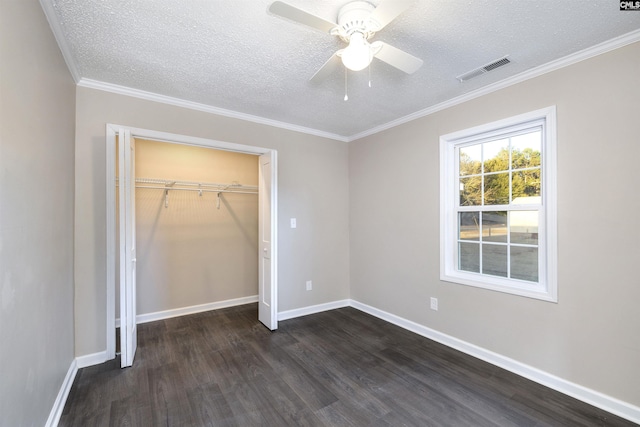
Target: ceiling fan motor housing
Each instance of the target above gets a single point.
(354, 17)
(356, 23)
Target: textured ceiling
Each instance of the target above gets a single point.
(234, 55)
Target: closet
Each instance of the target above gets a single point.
(196, 212)
(186, 260)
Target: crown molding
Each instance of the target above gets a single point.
(150, 96)
(599, 49)
(50, 14)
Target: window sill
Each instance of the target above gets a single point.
(508, 286)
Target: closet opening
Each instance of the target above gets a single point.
(191, 228)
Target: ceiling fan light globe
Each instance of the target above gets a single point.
(357, 56)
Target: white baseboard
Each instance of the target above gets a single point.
(183, 311)
(298, 312)
(592, 397)
(61, 399)
(91, 359)
(167, 314)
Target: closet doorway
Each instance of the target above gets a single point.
(121, 228)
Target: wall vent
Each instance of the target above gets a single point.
(484, 69)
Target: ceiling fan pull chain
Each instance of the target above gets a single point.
(346, 97)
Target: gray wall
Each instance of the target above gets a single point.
(190, 252)
(312, 185)
(590, 337)
(37, 110)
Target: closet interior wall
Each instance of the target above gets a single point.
(192, 248)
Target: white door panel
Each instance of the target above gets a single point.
(267, 298)
(127, 232)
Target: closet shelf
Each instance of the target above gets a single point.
(208, 187)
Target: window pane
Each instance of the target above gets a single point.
(525, 187)
(494, 226)
(496, 155)
(471, 191)
(494, 260)
(525, 150)
(471, 160)
(469, 257)
(469, 226)
(524, 263)
(524, 227)
(496, 189)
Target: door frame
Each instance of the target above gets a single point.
(111, 133)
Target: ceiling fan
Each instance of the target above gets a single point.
(358, 21)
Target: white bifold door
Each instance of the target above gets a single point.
(267, 310)
(127, 249)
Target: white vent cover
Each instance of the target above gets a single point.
(484, 69)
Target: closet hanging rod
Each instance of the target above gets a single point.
(196, 189)
(200, 185)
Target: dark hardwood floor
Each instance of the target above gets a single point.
(337, 368)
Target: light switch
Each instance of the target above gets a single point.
(293, 223)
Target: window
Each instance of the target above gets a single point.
(498, 206)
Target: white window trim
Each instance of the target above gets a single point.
(547, 288)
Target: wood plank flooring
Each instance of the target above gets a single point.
(337, 368)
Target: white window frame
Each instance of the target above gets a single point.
(547, 287)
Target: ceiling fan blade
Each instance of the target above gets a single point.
(397, 58)
(328, 68)
(287, 11)
(387, 11)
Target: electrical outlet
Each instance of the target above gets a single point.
(434, 303)
(309, 285)
(293, 223)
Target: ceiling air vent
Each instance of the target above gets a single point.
(484, 69)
